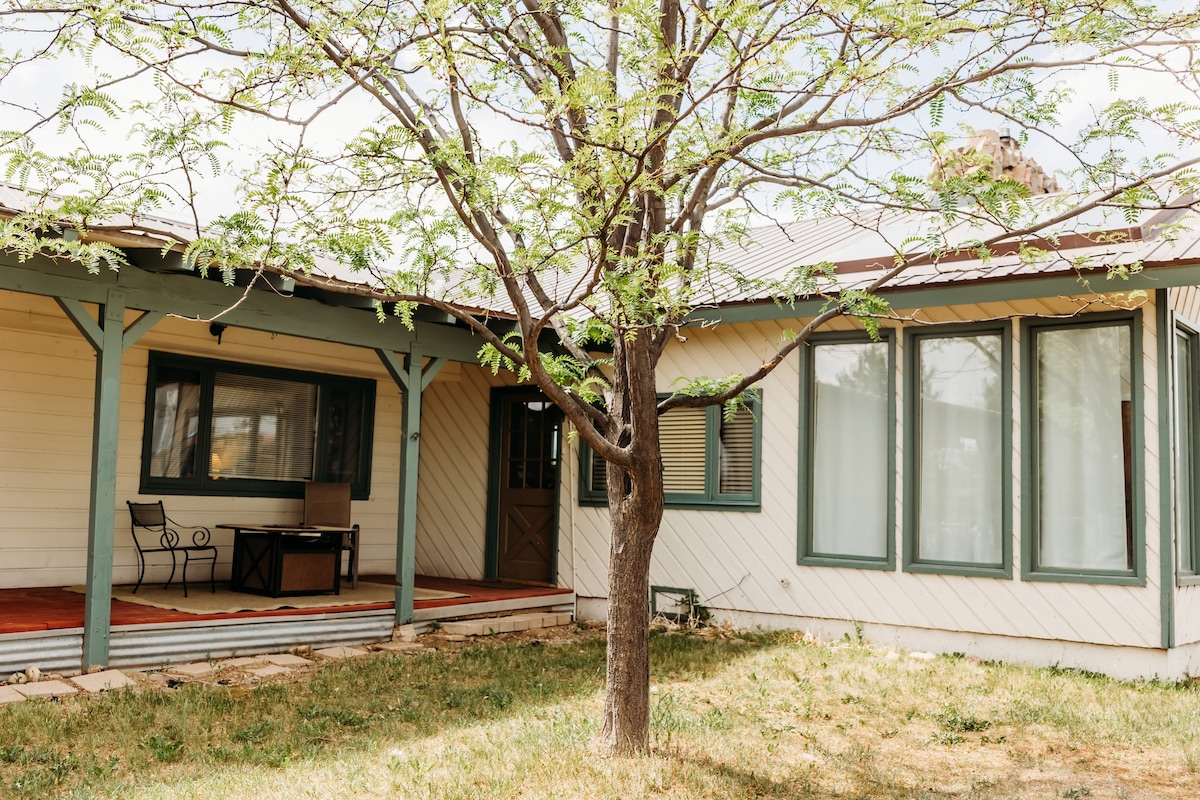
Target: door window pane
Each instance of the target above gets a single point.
(850, 450)
(1083, 427)
(960, 459)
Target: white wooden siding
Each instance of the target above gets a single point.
(46, 386)
(1185, 301)
(747, 561)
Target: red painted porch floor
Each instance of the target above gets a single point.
(49, 608)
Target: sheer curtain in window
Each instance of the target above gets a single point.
(1185, 475)
(959, 512)
(1083, 427)
(850, 449)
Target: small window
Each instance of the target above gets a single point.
(847, 453)
(957, 453)
(234, 429)
(1082, 431)
(1186, 429)
(709, 459)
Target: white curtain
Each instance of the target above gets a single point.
(850, 450)
(961, 435)
(1083, 380)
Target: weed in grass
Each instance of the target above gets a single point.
(164, 748)
(253, 734)
(12, 753)
(953, 720)
(1076, 793)
(948, 739)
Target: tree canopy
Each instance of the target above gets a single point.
(577, 165)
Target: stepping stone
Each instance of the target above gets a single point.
(401, 647)
(10, 695)
(46, 689)
(341, 652)
(195, 669)
(243, 661)
(102, 681)
(286, 660)
(269, 671)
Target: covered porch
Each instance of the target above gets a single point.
(45, 625)
(80, 365)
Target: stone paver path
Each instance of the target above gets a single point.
(286, 660)
(102, 681)
(195, 669)
(340, 652)
(10, 695)
(46, 689)
(269, 671)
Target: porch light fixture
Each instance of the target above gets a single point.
(216, 329)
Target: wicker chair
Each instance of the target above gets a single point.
(329, 504)
(151, 519)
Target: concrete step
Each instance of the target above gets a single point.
(507, 624)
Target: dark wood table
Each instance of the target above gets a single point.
(287, 560)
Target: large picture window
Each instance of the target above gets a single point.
(847, 453)
(709, 458)
(221, 428)
(958, 457)
(1082, 431)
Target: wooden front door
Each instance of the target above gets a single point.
(526, 475)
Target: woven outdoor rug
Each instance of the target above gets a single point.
(201, 601)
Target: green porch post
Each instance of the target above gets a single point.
(109, 339)
(410, 452)
(412, 381)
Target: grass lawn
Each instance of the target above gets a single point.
(733, 717)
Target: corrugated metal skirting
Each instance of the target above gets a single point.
(155, 646)
(60, 652)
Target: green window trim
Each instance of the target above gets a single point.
(202, 483)
(711, 499)
(911, 561)
(1031, 570)
(805, 553)
(1187, 574)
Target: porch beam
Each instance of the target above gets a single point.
(102, 501)
(140, 326)
(92, 331)
(430, 372)
(395, 368)
(187, 295)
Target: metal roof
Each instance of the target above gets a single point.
(862, 247)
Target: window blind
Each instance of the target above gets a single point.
(682, 438)
(262, 428)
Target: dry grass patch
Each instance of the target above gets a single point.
(733, 717)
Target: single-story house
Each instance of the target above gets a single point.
(1007, 470)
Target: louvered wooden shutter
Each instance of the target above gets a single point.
(599, 482)
(682, 434)
(737, 453)
(262, 428)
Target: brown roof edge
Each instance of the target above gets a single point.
(1147, 266)
(1068, 241)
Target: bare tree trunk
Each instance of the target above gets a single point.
(627, 702)
(635, 506)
